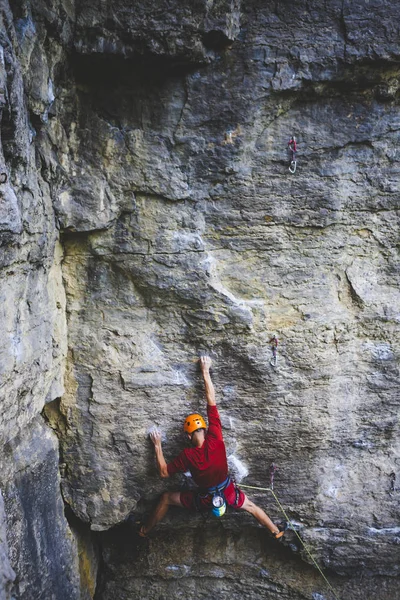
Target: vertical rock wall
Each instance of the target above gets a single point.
(7, 575)
(41, 547)
(150, 216)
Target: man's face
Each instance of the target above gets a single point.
(191, 435)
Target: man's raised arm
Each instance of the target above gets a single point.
(161, 464)
(205, 364)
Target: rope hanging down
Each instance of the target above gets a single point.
(252, 487)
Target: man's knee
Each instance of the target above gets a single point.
(171, 498)
(165, 497)
(248, 505)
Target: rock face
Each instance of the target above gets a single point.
(7, 575)
(148, 216)
(40, 546)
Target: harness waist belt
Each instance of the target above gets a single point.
(220, 487)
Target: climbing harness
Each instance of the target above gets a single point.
(217, 498)
(291, 525)
(274, 346)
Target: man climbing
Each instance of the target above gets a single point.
(206, 460)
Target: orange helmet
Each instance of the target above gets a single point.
(194, 422)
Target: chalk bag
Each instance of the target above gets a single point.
(219, 505)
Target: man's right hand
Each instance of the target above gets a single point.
(205, 363)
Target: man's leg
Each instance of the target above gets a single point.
(167, 499)
(260, 515)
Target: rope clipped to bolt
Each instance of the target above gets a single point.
(272, 471)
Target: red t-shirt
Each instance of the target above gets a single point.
(207, 464)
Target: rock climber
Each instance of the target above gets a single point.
(206, 460)
(292, 146)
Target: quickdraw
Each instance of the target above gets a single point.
(272, 470)
(393, 487)
(292, 147)
(274, 346)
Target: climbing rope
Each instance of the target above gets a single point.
(252, 487)
(292, 166)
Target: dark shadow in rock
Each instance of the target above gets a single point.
(103, 71)
(216, 40)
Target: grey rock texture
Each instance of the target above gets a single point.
(42, 546)
(149, 216)
(214, 562)
(43, 551)
(32, 323)
(7, 575)
(187, 33)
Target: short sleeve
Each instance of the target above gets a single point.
(179, 464)
(214, 422)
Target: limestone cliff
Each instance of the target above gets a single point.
(147, 214)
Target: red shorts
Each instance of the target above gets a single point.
(197, 501)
